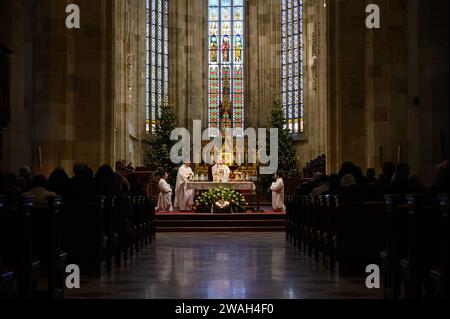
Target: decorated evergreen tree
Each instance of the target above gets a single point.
(286, 144)
(157, 147)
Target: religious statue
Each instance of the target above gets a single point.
(221, 172)
(226, 49)
(213, 49)
(238, 49)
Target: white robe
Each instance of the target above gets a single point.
(184, 198)
(278, 195)
(165, 197)
(225, 176)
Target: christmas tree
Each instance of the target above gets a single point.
(286, 145)
(158, 145)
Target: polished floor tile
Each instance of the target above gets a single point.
(222, 266)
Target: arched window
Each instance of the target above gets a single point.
(292, 63)
(157, 60)
(226, 65)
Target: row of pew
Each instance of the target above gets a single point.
(37, 243)
(407, 237)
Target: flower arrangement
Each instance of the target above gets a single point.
(204, 202)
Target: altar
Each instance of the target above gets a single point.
(222, 197)
(237, 186)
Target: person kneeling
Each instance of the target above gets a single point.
(165, 195)
(277, 189)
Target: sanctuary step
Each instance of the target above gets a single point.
(248, 222)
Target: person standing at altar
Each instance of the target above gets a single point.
(221, 172)
(277, 189)
(165, 195)
(184, 198)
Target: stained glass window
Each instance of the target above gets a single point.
(157, 81)
(226, 65)
(292, 63)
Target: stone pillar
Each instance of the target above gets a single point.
(188, 60)
(15, 28)
(386, 86)
(263, 59)
(53, 140)
(347, 135)
(313, 141)
(433, 67)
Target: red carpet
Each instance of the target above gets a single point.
(266, 212)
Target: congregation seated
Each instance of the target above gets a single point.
(121, 176)
(106, 182)
(385, 178)
(351, 183)
(39, 191)
(401, 183)
(307, 187)
(136, 189)
(24, 179)
(322, 186)
(370, 177)
(393, 221)
(81, 187)
(350, 190)
(440, 182)
(58, 181)
(114, 225)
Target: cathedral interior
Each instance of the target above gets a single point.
(361, 82)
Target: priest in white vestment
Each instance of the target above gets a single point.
(165, 195)
(184, 198)
(221, 172)
(277, 189)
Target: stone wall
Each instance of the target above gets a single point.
(79, 95)
(76, 95)
(386, 96)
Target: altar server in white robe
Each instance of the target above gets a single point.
(184, 198)
(165, 195)
(277, 189)
(222, 171)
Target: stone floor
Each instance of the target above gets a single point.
(222, 266)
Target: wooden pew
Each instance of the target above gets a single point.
(6, 275)
(123, 228)
(290, 213)
(142, 223)
(349, 235)
(360, 233)
(327, 205)
(439, 274)
(33, 238)
(424, 249)
(150, 217)
(46, 245)
(83, 235)
(110, 233)
(16, 247)
(307, 225)
(395, 248)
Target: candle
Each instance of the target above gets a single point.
(40, 156)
